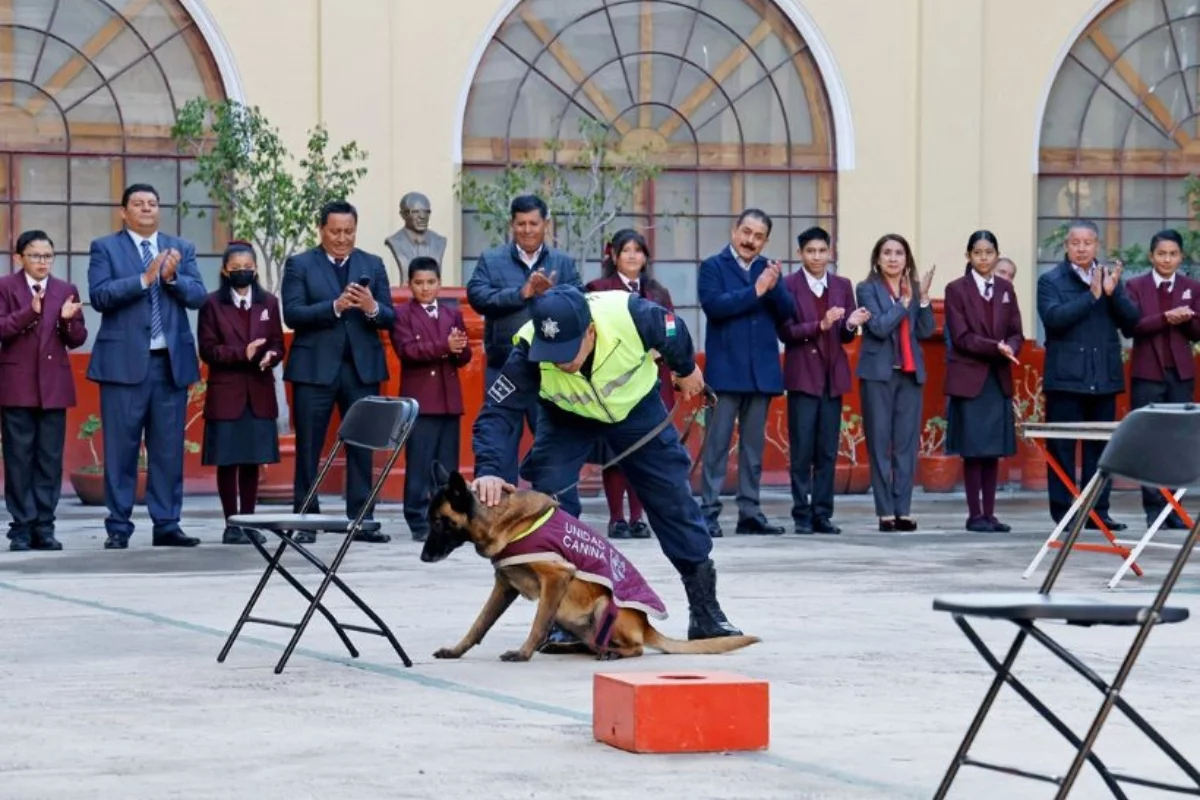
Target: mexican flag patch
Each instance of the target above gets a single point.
(670, 320)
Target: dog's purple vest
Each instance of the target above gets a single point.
(564, 538)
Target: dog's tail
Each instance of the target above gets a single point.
(721, 644)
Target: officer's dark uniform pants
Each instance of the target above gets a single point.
(658, 471)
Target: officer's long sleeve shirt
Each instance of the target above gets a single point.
(503, 412)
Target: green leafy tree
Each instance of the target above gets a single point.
(585, 196)
(262, 193)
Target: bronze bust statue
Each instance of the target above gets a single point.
(415, 238)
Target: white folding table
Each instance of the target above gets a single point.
(1038, 432)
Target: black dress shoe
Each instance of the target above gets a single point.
(803, 527)
(174, 539)
(1174, 523)
(998, 526)
(757, 526)
(19, 545)
(618, 529)
(116, 541)
(823, 525)
(979, 525)
(714, 529)
(235, 534)
(304, 537)
(639, 530)
(46, 542)
(1110, 523)
(906, 524)
(887, 526)
(374, 537)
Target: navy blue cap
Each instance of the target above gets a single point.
(560, 321)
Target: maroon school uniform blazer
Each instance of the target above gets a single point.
(428, 370)
(655, 292)
(35, 371)
(1153, 338)
(812, 358)
(976, 329)
(234, 382)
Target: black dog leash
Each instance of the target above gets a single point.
(710, 401)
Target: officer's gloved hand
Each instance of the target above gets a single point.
(490, 489)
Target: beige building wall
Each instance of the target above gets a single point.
(945, 98)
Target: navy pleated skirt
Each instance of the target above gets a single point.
(983, 426)
(246, 440)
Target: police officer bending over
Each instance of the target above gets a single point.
(588, 359)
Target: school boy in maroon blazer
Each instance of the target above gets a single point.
(240, 332)
(430, 340)
(1161, 366)
(40, 320)
(816, 373)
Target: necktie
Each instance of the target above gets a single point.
(431, 310)
(1165, 288)
(156, 324)
(633, 286)
(987, 290)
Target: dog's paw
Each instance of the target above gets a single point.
(514, 655)
(447, 652)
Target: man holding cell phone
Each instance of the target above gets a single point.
(336, 298)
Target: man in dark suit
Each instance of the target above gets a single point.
(40, 319)
(430, 339)
(816, 373)
(504, 282)
(1162, 369)
(1082, 305)
(336, 298)
(143, 282)
(744, 300)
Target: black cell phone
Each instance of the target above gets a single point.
(364, 281)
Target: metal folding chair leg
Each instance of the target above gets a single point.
(329, 576)
(273, 566)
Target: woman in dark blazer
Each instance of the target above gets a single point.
(891, 370)
(984, 325)
(626, 268)
(240, 332)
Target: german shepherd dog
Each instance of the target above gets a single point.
(457, 517)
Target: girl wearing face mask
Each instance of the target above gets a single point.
(626, 268)
(240, 331)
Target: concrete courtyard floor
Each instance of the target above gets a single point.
(109, 686)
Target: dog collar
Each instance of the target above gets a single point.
(539, 522)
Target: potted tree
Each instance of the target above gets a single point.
(936, 471)
(851, 477)
(264, 195)
(1029, 407)
(88, 480)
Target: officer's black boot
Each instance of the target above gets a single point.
(706, 619)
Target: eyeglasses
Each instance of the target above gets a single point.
(39, 258)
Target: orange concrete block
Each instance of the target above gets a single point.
(692, 712)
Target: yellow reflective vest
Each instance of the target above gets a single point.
(622, 373)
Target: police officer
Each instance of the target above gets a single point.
(588, 359)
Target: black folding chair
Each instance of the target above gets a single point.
(377, 423)
(1158, 445)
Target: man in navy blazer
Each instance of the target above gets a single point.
(1082, 305)
(336, 298)
(504, 283)
(143, 282)
(744, 299)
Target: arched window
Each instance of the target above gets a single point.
(1121, 129)
(724, 93)
(89, 90)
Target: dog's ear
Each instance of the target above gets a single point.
(459, 494)
(440, 476)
